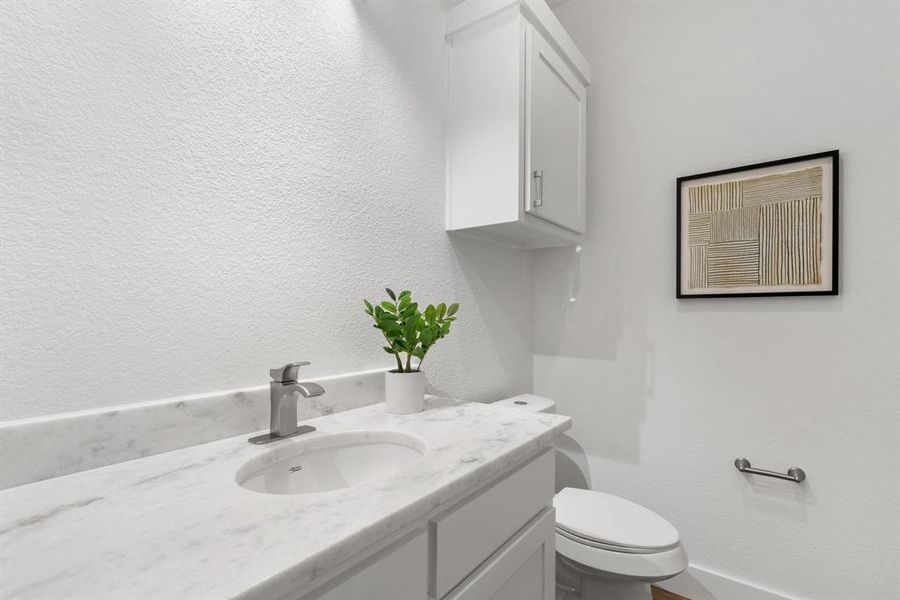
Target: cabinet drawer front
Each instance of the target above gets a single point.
(468, 534)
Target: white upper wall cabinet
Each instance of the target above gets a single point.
(516, 130)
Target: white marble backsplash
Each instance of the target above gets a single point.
(44, 447)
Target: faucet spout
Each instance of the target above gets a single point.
(310, 389)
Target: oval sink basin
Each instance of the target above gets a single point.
(330, 462)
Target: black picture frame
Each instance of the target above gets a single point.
(834, 155)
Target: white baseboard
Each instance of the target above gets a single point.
(698, 583)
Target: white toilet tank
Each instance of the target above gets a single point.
(527, 402)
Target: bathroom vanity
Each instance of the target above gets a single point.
(469, 516)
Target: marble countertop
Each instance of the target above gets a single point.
(176, 525)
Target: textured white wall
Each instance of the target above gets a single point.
(665, 393)
(194, 192)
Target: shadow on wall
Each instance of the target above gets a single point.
(593, 355)
(818, 304)
(589, 296)
(572, 467)
(495, 277)
(411, 51)
(771, 496)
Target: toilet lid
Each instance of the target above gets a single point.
(611, 521)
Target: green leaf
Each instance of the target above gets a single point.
(441, 310)
(405, 293)
(378, 313)
(388, 306)
(419, 353)
(388, 349)
(427, 337)
(452, 310)
(391, 294)
(368, 306)
(390, 328)
(430, 313)
(445, 329)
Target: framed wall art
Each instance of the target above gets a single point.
(769, 229)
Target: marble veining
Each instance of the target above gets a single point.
(37, 449)
(177, 525)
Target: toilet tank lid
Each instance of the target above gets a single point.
(527, 402)
(611, 520)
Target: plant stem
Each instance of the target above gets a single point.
(421, 360)
(396, 354)
(408, 358)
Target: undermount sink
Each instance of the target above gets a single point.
(328, 462)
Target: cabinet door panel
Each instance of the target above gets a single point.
(523, 569)
(468, 534)
(527, 583)
(555, 115)
(399, 572)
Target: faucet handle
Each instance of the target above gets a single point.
(287, 373)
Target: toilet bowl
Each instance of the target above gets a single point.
(607, 547)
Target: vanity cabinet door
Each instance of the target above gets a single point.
(471, 533)
(523, 569)
(398, 572)
(555, 117)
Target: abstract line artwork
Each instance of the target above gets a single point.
(766, 229)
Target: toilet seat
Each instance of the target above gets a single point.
(609, 547)
(612, 523)
(615, 536)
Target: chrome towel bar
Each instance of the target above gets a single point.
(795, 474)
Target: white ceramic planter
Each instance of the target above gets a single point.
(404, 393)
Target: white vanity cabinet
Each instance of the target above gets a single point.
(516, 124)
(496, 542)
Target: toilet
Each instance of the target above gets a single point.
(607, 548)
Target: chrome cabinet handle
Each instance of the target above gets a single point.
(795, 474)
(539, 184)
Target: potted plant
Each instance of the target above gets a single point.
(410, 333)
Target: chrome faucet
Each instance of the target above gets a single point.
(284, 392)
